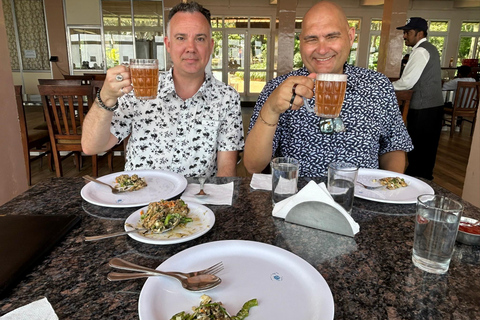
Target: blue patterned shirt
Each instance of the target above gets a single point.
(372, 119)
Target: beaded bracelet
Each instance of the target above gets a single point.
(268, 124)
(100, 103)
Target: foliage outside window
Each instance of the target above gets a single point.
(437, 35)
(352, 58)
(375, 30)
(469, 47)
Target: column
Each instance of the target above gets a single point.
(286, 11)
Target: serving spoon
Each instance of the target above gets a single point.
(200, 282)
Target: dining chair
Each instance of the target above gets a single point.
(77, 77)
(467, 97)
(64, 82)
(65, 108)
(404, 97)
(33, 139)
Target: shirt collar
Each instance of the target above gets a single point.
(170, 86)
(419, 42)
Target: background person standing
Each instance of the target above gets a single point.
(422, 74)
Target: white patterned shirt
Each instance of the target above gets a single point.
(169, 133)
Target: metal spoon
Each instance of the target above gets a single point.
(201, 193)
(114, 190)
(116, 234)
(196, 283)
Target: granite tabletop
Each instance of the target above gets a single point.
(371, 276)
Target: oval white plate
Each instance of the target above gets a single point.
(404, 195)
(203, 220)
(161, 185)
(285, 285)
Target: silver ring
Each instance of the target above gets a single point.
(291, 100)
(119, 77)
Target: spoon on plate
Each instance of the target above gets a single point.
(116, 234)
(202, 192)
(114, 190)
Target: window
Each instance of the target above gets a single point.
(375, 30)
(469, 47)
(437, 35)
(138, 36)
(352, 58)
(85, 48)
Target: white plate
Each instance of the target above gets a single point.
(161, 185)
(404, 195)
(285, 285)
(203, 220)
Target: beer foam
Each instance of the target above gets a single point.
(331, 77)
(142, 67)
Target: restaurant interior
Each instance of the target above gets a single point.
(354, 266)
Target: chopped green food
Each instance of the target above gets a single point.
(208, 310)
(392, 182)
(163, 215)
(130, 183)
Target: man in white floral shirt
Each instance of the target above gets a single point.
(194, 125)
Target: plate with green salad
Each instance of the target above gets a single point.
(272, 283)
(189, 221)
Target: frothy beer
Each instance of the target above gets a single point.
(329, 94)
(144, 74)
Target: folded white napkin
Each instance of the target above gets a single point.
(220, 194)
(261, 181)
(37, 310)
(312, 192)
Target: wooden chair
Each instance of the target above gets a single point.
(404, 97)
(467, 97)
(65, 108)
(63, 82)
(32, 140)
(77, 77)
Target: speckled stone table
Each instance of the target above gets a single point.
(371, 276)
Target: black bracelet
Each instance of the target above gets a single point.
(100, 103)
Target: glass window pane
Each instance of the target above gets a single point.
(465, 50)
(258, 57)
(354, 23)
(260, 23)
(439, 43)
(297, 57)
(217, 50)
(257, 81)
(235, 79)
(438, 26)
(352, 58)
(118, 48)
(470, 27)
(298, 23)
(216, 22)
(376, 25)
(86, 48)
(373, 56)
(236, 22)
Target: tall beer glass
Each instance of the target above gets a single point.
(329, 94)
(144, 74)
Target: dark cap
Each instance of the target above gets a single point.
(415, 23)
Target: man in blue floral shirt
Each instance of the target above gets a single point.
(375, 135)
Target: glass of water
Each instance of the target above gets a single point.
(284, 178)
(436, 227)
(341, 183)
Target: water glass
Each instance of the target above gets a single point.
(436, 226)
(144, 74)
(341, 183)
(284, 178)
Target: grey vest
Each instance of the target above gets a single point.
(428, 89)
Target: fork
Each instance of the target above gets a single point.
(370, 187)
(125, 265)
(114, 190)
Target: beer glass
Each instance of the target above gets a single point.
(329, 94)
(144, 74)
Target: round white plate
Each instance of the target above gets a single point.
(203, 220)
(404, 195)
(285, 285)
(161, 185)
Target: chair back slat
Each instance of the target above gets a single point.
(466, 96)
